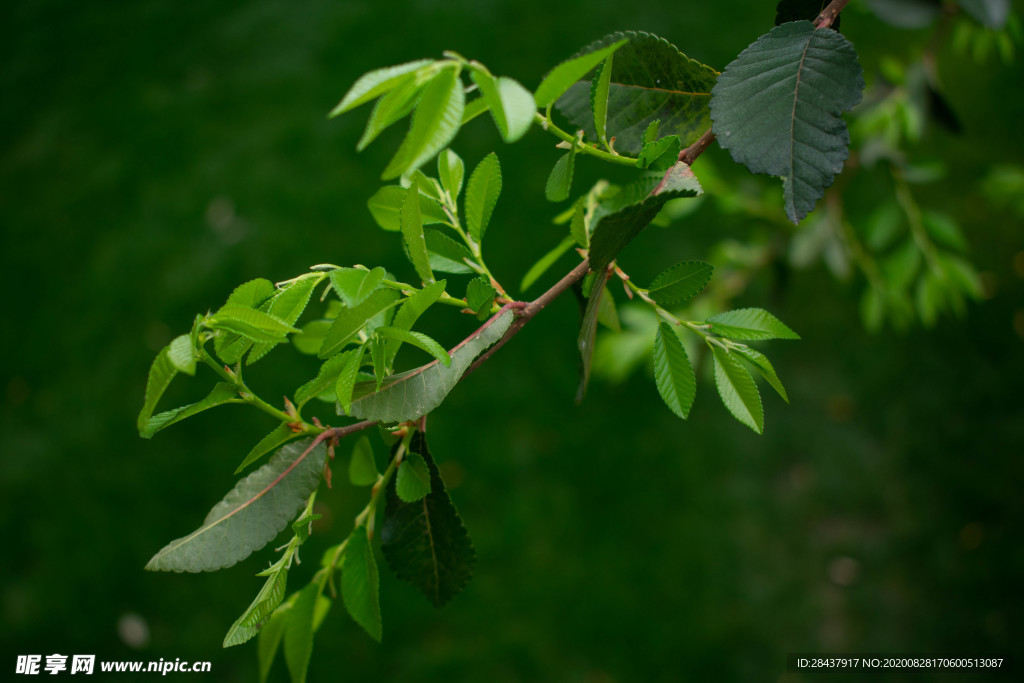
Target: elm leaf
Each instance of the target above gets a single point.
(673, 373)
(737, 389)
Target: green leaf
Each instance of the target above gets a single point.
(281, 435)
(560, 180)
(599, 97)
(607, 313)
(287, 305)
(231, 347)
(298, 632)
(989, 13)
(901, 266)
(547, 260)
(481, 195)
(680, 283)
(615, 230)
(222, 393)
(413, 478)
(578, 225)
(416, 339)
(270, 639)
(778, 109)
(161, 372)
(738, 391)
(374, 84)
(362, 469)
(261, 609)
(326, 377)
(425, 542)
(944, 230)
(386, 207)
(651, 132)
(563, 76)
(588, 329)
(412, 234)
(963, 274)
(446, 255)
(480, 295)
(360, 584)
(434, 123)
(351, 320)
(795, 10)
(673, 373)
(347, 376)
(250, 515)
(250, 323)
(354, 285)
(391, 109)
(511, 105)
(660, 155)
(474, 109)
(181, 352)
(410, 311)
(450, 170)
(750, 324)
(764, 366)
(650, 80)
(412, 394)
(312, 337)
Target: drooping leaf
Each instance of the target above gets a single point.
(251, 323)
(270, 640)
(386, 205)
(681, 282)
(410, 311)
(446, 255)
(222, 393)
(360, 583)
(989, 13)
(673, 373)
(764, 366)
(778, 109)
(347, 377)
(511, 105)
(250, 515)
(412, 234)
(425, 542)
(481, 195)
(412, 482)
(796, 10)
(362, 469)
(599, 90)
(563, 76)
(261, 609)
(417, 339)
(298, 632)
(650, 80)
(161, 372)
(374, 84)
(607, 313)
(435, 122)
(617, 229)
(559, 182)
(546, 261)
(660, 155)
(230, 347)
(750, 324)
(181, 352)
(351, 320)
(450, 171)
(409, 395)
(480, 295)
(588, 329)
(737, 389)
(280, 435)
(287, 305)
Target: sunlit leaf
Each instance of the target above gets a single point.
(482, 195)
(737, 390)
(673, 373)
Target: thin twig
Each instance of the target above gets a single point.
(830, 13)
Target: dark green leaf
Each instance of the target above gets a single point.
(251, 514)
(650, 80)
(222, 393)
(547, 260)
(778, 109)
(588, 329)
(901, 266)
(599, 90)
(450, 171)
(560, 180)
(386, 206)
(425, 542)
(607, 314)
(512, 106)
(481, 195)
(764, 366)
(944, 230)
(376, 83)
(681, 282)
(412, 234)
(737, 389)
(750, 324)
(446, 255)
(362, 469)
(615, 230)
(480, 295)
(673, 373)
(578, 225)
(563, 76)
(259, 612)
(412, 394)
(660, 155)
(360, 584)
(298, 632)
(434, 123)
(413, 479)
(351, 320)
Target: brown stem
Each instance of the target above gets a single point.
(829, 14)
(690, 154)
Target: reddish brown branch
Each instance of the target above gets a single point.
(830, 13)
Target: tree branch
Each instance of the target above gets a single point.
(830, 13)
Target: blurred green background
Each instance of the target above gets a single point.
(155, 154)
